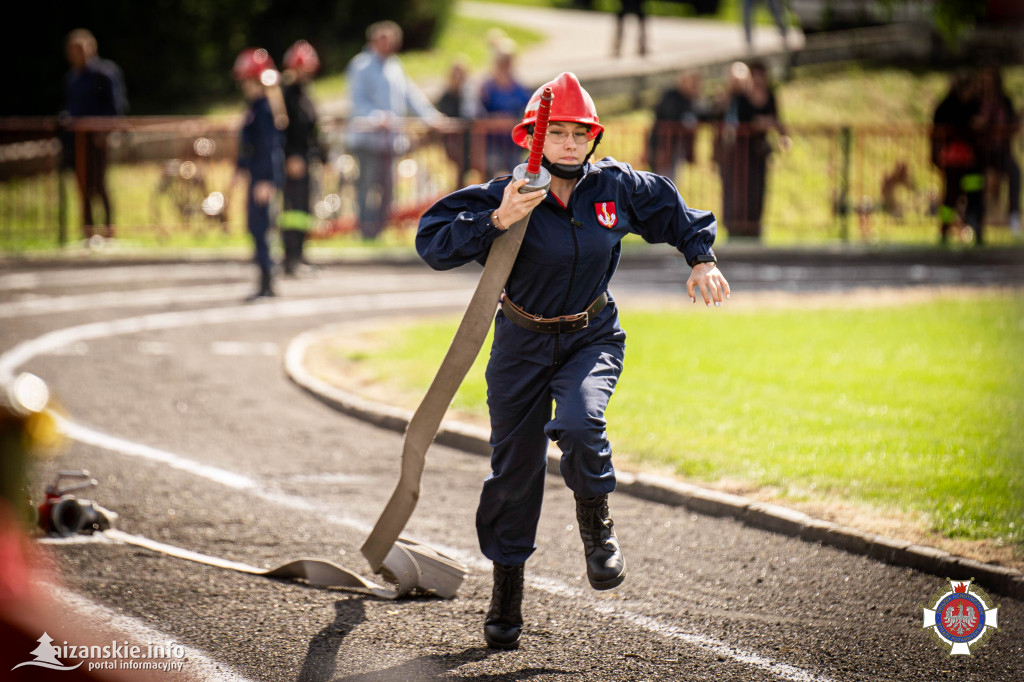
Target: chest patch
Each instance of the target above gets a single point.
(606, 215)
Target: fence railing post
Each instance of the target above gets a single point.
(845, 143)
(62, 205)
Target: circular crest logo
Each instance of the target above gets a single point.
(960, 616)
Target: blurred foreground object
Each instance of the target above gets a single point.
(64, 515)
(25, 428)
(28, 619)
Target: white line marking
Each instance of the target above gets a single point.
(198, 664)
(77, 539)
(97, 439)
(49, 342)
(127, 274)
(329, 478)
(78, 348)
(208, 293)
(232, 348)
(155, 348)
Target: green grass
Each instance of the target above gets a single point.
(851, 93)
(915, 407)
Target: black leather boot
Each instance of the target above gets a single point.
(266, 287)
(606, 567)
(504, 620)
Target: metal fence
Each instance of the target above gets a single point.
(168, 178)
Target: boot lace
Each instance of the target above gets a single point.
(507, 595)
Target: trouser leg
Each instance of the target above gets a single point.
(294, 220)
(519, 401)
(374, 188)
(259, 227)
(951, 195)
(581, 389)
(748, 13)
(972, 186)
(367, 197)
(778, 13)
(1013, 181)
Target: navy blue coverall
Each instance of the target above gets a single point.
(261, 152)
(567, 259)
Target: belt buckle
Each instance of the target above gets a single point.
(585, 316)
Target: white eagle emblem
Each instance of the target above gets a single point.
(605, 211)
(960, 622)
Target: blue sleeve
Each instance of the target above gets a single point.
(662, 217)
(267, 162)
(457, 229)
(365, 92)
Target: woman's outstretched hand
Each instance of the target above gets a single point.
(710, 281)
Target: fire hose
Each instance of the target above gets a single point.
(381, 545)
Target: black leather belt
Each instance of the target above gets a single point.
(552, 325)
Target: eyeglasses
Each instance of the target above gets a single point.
(560, 136)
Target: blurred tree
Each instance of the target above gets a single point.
(177, 54)
(953, 18)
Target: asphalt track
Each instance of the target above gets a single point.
(176, 401)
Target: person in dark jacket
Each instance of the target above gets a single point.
(997, 123)
(558, 347)
(751, 113)
(260, 153)
(956, 152)
(301, 147)
(92, 87)
(676, 116)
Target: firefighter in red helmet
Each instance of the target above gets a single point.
(558, 347)
(260, 153)
(301, 147)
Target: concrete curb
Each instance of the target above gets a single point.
(770, 517)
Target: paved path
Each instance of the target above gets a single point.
(581, 41)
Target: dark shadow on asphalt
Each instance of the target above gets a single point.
(437, 667)
(322, 656)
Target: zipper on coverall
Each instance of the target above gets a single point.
(573, 224)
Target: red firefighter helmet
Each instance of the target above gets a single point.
(302, 57)
(572, 103)
(251, 63)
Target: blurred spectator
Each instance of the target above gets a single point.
(750, 113)
(301, 147)
(778, 13)
(956, 154)
(636, 8)
(676, 117)
(459, 101)
(92, 87)
(260, 153)
(502, 98)
(999, 122)
(382, 95)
